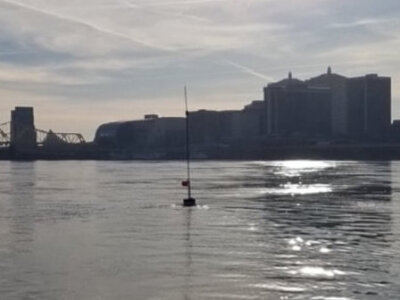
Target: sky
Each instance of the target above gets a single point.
(84, 63)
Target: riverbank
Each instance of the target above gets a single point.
(241, 152)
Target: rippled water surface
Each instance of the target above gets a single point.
(262, 230)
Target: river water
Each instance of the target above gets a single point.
(262, 230)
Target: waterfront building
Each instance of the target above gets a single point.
(254, 120)
(297, 110)
(338, 86)
(167, 133)
(369, 106)
(361, 106)
(151, 133)
(209, 127)
(208, 130)
(328, 106)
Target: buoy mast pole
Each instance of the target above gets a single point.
(187, 147)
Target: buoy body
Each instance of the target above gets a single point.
(189, 202)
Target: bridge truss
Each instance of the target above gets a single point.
(4, 135)
(43, 137)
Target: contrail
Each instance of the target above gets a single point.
(164, 13)
(188, 2)
(249, 71)
(5, 53)
(89, 25)
(362, 22)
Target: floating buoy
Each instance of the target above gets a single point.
(189, 202)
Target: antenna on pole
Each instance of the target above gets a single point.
(189, 201)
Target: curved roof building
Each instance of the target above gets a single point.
(139, 135)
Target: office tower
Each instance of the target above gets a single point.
(338, 86)
(369, 106)
(294, 109)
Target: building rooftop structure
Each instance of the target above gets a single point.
(325, 77)
(295, 109)
(288, 82)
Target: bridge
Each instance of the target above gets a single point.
(4, 136)
(43, 137)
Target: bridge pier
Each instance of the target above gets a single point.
(22, 129)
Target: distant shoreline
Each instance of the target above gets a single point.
(316, 152)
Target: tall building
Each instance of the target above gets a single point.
(23, 134)
(369, 106)
(295, 109)
(361, 106)
(338, 86)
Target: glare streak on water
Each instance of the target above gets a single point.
(263, 230)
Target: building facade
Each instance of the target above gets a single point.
(297, 110)
(361, 106)
(326, 107)
(338, 86)
(142, 135)
(369, 106)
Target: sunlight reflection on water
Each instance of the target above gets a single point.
(298, 189)
(293, 168)
(316, 272)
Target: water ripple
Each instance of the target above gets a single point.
(262, 230)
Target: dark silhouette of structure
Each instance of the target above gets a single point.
(369, 106)
(321, 110)
(339, 99)
(25, 141)
(361, 106)
(329, 115)
(154, 137)
(296, 109)
(148, 138)
(22, 129)
(253, 120)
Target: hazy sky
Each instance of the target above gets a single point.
(83, 63)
